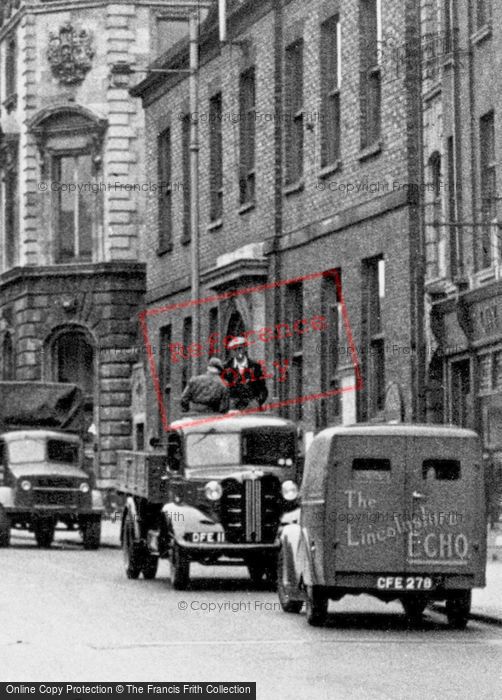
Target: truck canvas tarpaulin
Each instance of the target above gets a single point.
(41, 405)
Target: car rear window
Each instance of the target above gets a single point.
(370, 464)
(441, 469)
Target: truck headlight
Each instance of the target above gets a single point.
(84, 487)
(213, 491)
(289, 491)
(25, 485)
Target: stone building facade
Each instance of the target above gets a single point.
(72, 217)
(462, 152)
(309, 138)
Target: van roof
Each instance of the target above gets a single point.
(13, 435)
(398, 429)
(223, 423)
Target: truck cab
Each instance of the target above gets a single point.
(42, 475)
(218, 496)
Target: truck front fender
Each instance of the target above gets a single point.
(182, 518)
(306, 560)
(97, 501)
(131, 511)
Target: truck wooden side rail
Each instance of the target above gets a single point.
(140, 474)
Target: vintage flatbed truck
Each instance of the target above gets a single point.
(215, 495)
(43, 477)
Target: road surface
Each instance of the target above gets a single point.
(71, 615)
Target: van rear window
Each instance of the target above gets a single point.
(441, 469)
(370, 464)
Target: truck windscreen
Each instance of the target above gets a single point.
(274, 448)
(209, 449)
(24, 451)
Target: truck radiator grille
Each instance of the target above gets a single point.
(250, 510)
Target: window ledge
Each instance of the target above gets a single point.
(487, 275)
(330, 169)
(214, 225)
(10, 102)
(293, 187)
(185, 240)
(484, 32)
(370, 151)
(247, 206)
(168, 248)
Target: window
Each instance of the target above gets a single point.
(73, 362)
(187, 340)
(169, 31)
(460, 403)
(435, 214)
(11, 68)
(165, 370)
(488, 185)
(370, 89)
(213, 328)
(10, 153)
(216, 158)
(294, 112)
(373, 336)
(73, 209)
(8, 359)
(247, 96)
(60, 451)
(294, 311)
(331, 53)
(330, 342)
(185, 146)
(483, 12)
(370, 464)
(448, 27)
(452, 207)
(165, 190)
(441, 469)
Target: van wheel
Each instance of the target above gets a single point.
(287, 603)
(414, 607)
(317, 606)
(131, 550)
(180, 568)
(150, 565)
(458, 608)
(44, 533)
(4, 528)
(91, 533)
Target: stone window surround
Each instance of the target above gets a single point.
(88, 136)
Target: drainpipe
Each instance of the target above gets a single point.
(194, 176)
(278, 184)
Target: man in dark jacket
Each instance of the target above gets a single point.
(206, 392)
(244, 377)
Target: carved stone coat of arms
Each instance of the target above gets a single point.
(70, 54)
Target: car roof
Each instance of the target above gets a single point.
(12, 435)
(396, 430)
(225, 423)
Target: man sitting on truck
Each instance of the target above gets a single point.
(206, 392)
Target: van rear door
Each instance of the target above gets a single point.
(365, 497)
(444, 491)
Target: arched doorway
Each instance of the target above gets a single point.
(235, 327)
(72, 361)
(7, 360)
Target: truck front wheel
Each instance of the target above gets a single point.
(4, 528)
(180, 568)
(91, 533)
(44, 532)
(458, 608)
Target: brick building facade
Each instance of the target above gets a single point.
(72, 206)
(310, 155)
(462, 151)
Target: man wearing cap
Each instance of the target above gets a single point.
(206, 392)
(244, 377)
